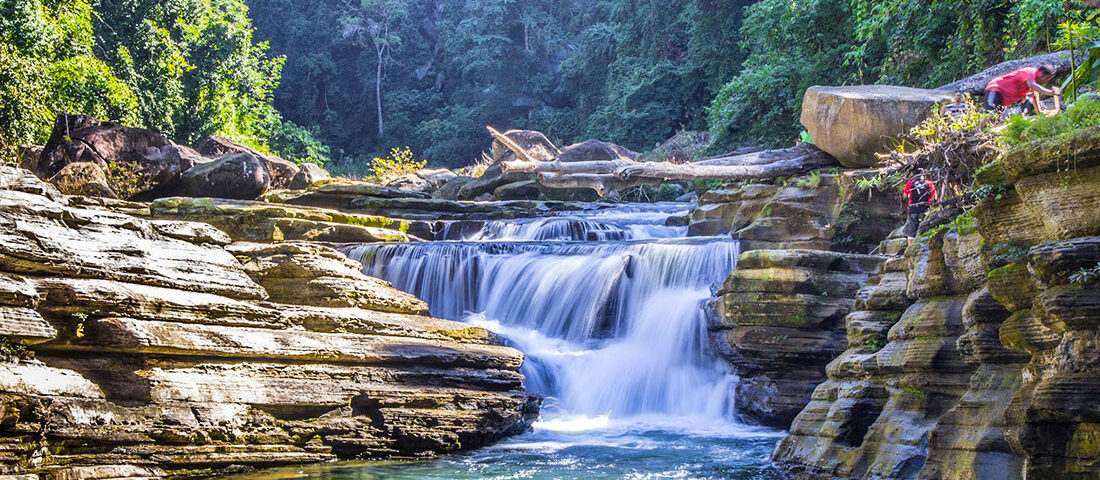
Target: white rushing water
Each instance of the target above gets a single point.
(608, 307)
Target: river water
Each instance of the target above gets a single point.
(608, 307)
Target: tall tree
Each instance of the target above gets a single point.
(367, 24)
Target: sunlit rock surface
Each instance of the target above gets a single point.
(158, 348)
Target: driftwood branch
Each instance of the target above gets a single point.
(511, 145)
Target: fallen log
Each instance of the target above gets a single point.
(605, 176)
(694, 171)
(603, 184)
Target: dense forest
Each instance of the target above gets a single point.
(342, 81)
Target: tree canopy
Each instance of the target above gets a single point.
(343, 81)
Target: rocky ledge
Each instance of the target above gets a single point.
(138, 348)
(974, 355)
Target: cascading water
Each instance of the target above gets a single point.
(609, 308)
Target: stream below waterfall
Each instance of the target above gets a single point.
(608, 306)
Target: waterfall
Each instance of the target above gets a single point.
(612, 322)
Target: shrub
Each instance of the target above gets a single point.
(400, 162)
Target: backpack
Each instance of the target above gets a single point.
(919, 192)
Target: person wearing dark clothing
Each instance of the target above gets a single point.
(919, 192)
(1012, 88)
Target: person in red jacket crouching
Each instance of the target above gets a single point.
(1010, 89)
(920, 192)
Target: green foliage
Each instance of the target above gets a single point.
(1083, 114)
(1085, 275)
(921, 43)
(298, 143)
(633, 72)
(1077, 35)
(12, 349)
(47, 66)
(792, 46)
(1010, 252)
(874, 342)
(186, 68)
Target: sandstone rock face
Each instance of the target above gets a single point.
(780, 320)
(992, 372)
(160, 349)
(854, 123)
(268, 222)
(238, 176)
(822, 211)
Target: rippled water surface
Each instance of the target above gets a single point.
(585, 449)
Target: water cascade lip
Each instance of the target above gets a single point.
(607, 305)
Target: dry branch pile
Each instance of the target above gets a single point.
(949, 150)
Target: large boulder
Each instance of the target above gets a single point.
(83, 178)
(535, 143)
(239, 176)
(140, 162)
(307, 175)
(594, 151)
(280, 171)
(854, 123)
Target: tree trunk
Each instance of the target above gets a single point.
(378, 84)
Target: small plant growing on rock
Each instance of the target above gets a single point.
(12, 349)
(1086, 275)
(400, 162)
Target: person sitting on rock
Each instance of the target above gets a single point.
(1010, 89)
(920, 192)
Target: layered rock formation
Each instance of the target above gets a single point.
(992, 372)
(820, 211)
(160, 348)
(780, 320)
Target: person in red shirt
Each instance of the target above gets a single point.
(1010, 89)
(919, 192)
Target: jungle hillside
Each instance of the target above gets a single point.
(339, 82)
